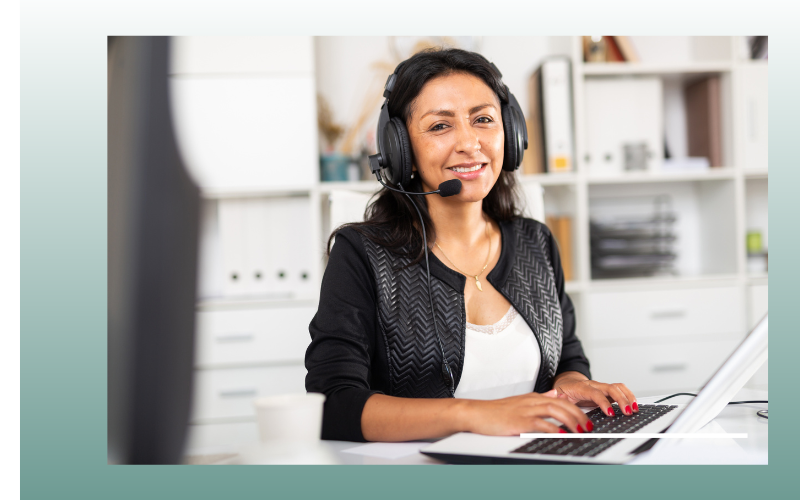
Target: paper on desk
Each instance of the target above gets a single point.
(720, 451)
(391, 451)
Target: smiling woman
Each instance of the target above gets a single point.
(489, 345)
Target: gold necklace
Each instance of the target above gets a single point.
(488, 254)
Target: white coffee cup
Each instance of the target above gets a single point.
(290, 417)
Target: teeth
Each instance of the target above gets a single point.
(464, 170)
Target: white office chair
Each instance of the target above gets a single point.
(533, 201)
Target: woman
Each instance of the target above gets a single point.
(506, 333)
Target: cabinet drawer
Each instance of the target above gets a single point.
(227, 393)
(252, 336)
(209, 439)
(660, 368)
(663, 313)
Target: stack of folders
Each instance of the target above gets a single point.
(550, 127)
(633, 245)
(266, 247)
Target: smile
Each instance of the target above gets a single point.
(464, 170)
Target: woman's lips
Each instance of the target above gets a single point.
(468, 176)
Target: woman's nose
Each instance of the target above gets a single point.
(467, 140)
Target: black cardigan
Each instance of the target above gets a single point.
(357, 344)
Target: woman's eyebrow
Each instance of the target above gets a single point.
(447, 112)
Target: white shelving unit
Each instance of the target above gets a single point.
(655, 334)
(720, 204)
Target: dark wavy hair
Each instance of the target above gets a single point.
(390, 219)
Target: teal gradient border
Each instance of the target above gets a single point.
(63, 247)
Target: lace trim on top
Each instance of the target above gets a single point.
(497, 327)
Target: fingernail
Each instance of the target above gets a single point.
(628, 409)
(580, 430)
(610, 411)
(562, 431)
(635, 406)
(589, 426)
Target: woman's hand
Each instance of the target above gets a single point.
(576, 388)
(525, 413)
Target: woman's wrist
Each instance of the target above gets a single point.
(569, 376)
(464, 414)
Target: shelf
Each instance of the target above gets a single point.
(757, 279)
(575, 286)
(755, 174)
(610, 69)
(559, 179)
(663, 282)
(227, 303)
(299, 190)
(713, 174)
(360, 186)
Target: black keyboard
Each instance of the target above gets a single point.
(619, 423)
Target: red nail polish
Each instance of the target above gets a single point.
(628, 409)
(635, 406)
(580, 430)
(589, 426)
(562, 431)
(610, 411)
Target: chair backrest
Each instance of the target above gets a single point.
(534, 201)
(343, 207)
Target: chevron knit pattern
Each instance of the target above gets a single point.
(531, 288)
(404, 316)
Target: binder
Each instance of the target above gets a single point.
(704, 119)
(561, 227)
(259, 247)
(552, 133)
(626, 48)
(755, 86)
(291, 240)
(231, 217)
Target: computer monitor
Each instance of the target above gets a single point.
(153, 225)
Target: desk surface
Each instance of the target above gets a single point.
(733, 419)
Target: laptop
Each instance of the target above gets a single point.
(471, 448)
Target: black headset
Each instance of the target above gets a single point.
(394, 147)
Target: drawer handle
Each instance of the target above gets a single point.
(238, 393)
(668, 313)
(674, 367)
(235, 337)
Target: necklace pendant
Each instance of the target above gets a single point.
(478, 284)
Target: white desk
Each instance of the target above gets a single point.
(733, 419)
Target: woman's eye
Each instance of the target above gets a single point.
(484, 119)
(437, 127)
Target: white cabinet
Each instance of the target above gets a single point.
(229, 393)
(244, 352)
(247, 133)
(664, 314)
(276, 334)
(658, 341)
(660, 368)
(245, 117)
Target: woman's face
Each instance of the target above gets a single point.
(456, 132)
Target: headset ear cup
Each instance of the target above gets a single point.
(510, 147)
(401, 171)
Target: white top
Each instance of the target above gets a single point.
(500, 360)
